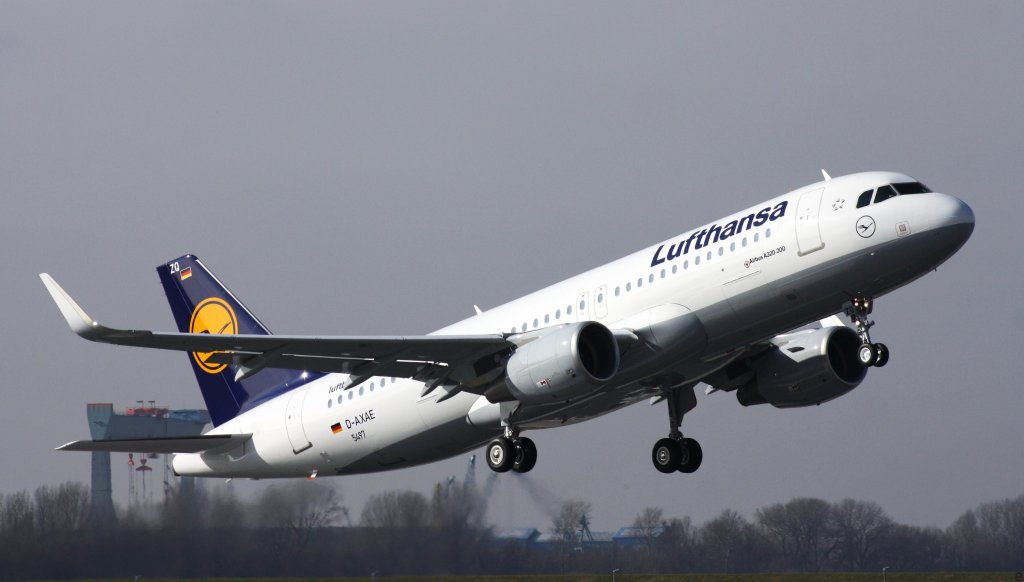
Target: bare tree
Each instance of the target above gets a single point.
(730, 543)
(456, 507)
(395, 509)
(61, 508)
(858, 530)
(677, 545)
(567, 524)
(648, 523)
(17, 514)
(293, 512)
(800, 530)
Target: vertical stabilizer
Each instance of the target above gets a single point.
(202, 304)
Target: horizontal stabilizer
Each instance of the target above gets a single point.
(194, 444)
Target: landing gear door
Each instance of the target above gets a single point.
(808, 234)
(293, 421)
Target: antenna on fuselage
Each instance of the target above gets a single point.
(825, 175)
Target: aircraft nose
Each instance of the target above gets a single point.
(955, 218)
(960, 213)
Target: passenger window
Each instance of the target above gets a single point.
(721, 251)
(768, 233)
(628, 285)
(330, 403)
(732, 247)
(340, 396)
(650, 279)
(558, 314)
(696, 260)
(547, 318)
(616, 291)
(864, 199)
(513, 329)
(568, 310)
(524, 329)
(663, 273)
(884, 193)
(639, 283)
(757, 237)
(536, 323)
(709, 255)
(743, 242)
(675, 269)
(583, 305)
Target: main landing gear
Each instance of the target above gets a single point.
(868, 354)
(511, 452)
(676, 453)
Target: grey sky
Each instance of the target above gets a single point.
(379, 168)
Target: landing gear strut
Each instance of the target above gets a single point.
(868, 354)
(676, 453)
(511, 452)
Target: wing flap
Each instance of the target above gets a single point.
(193, 444)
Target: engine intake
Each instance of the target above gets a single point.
(806, 368)
(565, 364)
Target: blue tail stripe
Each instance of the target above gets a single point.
(189, 285)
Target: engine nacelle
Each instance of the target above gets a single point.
(563, 365)
(806, 368)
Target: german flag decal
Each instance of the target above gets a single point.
(186, 273)
(336, 427)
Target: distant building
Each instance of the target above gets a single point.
(636, 536)
(519, 535)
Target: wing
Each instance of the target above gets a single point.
(193, 444)
(466, 360)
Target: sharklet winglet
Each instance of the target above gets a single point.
(76, 317)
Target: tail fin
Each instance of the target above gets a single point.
(202, 304)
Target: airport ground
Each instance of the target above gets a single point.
(619, 577)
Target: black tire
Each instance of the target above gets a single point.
(666, 455)
(692, 455)
(881, 355)
(526, 456)
(500, 455)
(866, 355)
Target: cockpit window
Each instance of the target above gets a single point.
(884, 193)
(864, 199)
(911, 188)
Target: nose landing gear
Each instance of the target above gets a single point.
(869, 354)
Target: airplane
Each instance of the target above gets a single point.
(716, 305)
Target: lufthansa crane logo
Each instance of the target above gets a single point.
(865, 226)
(212, 316)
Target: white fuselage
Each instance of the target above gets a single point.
(764, 278)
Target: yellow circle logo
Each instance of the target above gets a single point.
(212, 316)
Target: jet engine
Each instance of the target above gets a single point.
(567, 363)
(805, 368)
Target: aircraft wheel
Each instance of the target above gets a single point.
(501, 455)
(881, 355)
(692, 455)
(666, 455)
(866, 355)
(526, 456)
